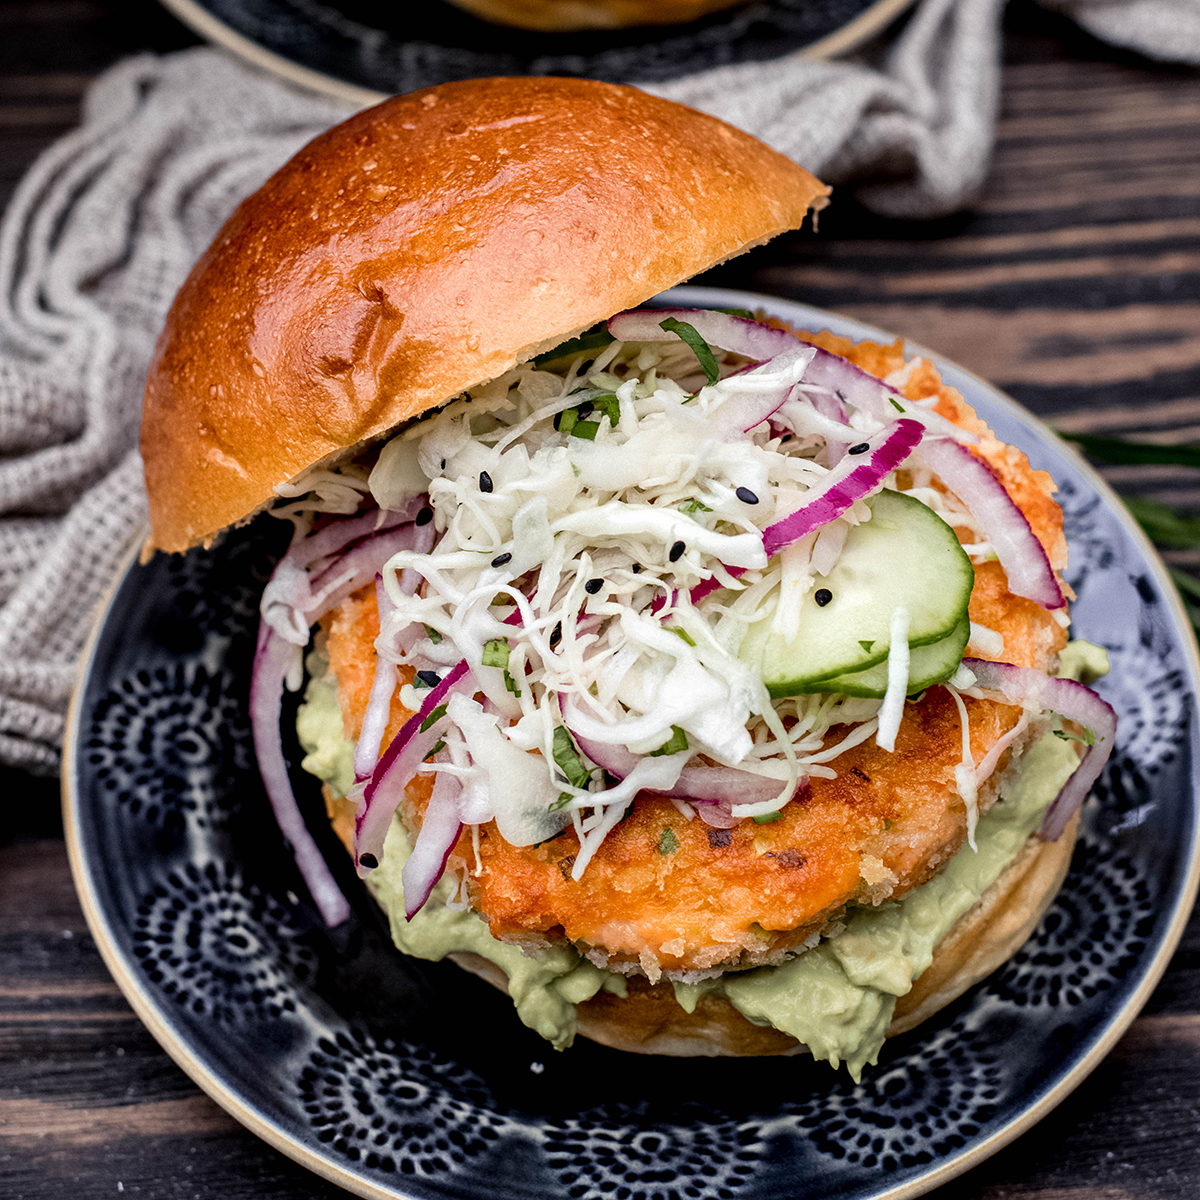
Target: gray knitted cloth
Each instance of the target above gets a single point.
(105, 227)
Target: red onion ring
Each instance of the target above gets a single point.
(399, 762)
(440, 827)
(338, 534)
(854, 478)
(1075, 702)
(756, 340)
(737, 334)
(272, 659)
(1022, 556)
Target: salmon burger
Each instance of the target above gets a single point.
(702, 681)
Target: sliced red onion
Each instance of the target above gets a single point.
(871, 395)
(357, 568)
(408, 749)
(334, 537)
(1020, 553)
(273, 658)
(854, 478)
(1075, 702)
(704, 786)
(737, 334)
(718, 816)
(440, 827)
(754, 400)
(771, 347)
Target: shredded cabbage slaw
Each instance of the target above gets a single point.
(597, 556)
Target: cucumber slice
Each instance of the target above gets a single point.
(927, 665)
(905, 555)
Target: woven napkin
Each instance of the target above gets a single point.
(104, 228)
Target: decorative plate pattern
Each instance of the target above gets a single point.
(361, 51)
(404, 1078)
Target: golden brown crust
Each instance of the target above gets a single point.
(565, 15)
(422, 247)
(649, 1020)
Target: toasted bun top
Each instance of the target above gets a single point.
(425, 246)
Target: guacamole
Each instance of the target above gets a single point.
(837, 998)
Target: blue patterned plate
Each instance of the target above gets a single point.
(395, 1077)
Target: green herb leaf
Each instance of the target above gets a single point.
(440, 745)
(668, 843)
(433, 718)
(586, 430)
(1185, 583)
(510, 683)
(565, 421)
(767, 818)
(432, 634)
(675, 744)
(693, 506)
(608, 406)
(568, 760)
(683, 633)
(1088, 738)
(495, 653)
(867, 645)
(595, 339)
(745, 313)
(1162, 523)
(700, 348)
(1117, 450)
(564, 798)
(896, 404)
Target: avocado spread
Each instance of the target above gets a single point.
(837, 998)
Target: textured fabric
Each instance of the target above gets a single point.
(104, 228)
(1164, 29)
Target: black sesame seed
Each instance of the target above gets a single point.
(586, 366)
(677, 552)
(485, 482)
(556, 636)
(430, 678)
(746, 496)
(839, 393)
(861, 448)
(443, 464)
(369, 861)
(593, 586)
(425, 515)
(823, 597)
(636, 568)
(501, 559)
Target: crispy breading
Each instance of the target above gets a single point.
(665, 895)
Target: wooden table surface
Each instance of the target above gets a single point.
(1074, 283)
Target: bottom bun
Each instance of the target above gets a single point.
(649, 1020)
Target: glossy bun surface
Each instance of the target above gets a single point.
(424, 246)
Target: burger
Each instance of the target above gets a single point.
(701, 681)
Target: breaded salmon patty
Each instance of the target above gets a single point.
(668, 895)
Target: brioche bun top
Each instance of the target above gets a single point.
(423, 247)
